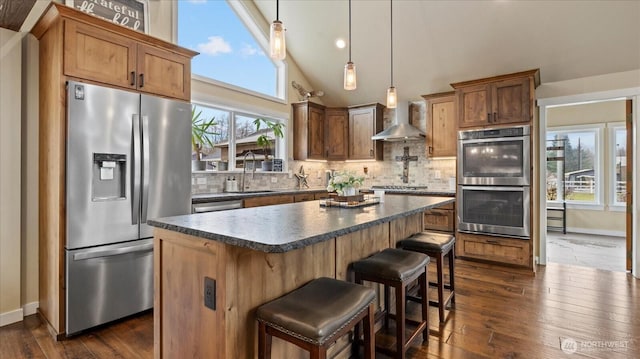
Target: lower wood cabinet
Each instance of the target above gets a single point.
(267, 200)
(441, 218)
(302, 197)
(496, 249)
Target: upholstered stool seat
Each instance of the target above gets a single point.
(397, 268)
(316, 315)
(437, 245)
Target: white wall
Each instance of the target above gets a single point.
(10, 179)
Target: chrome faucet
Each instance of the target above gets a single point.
(244, 167)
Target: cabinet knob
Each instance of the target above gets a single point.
(133, 78)
(430, 149)
(371, 152)
(495, 117)
(141, 80)
(489, 117)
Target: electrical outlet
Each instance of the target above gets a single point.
(210, 293)
(274, 179)
(437, 174)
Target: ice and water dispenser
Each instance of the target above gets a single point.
(109, 176)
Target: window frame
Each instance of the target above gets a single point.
(280, 143)
(612, 127)
(260, 35)
(598, 130)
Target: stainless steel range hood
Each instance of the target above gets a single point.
(401, 130)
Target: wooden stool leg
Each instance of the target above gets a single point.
(318, 353)
(369, 334)
(387, 307)
(451, 276)
(264, 342)
(440, 273)
(400, 320)
(424, 293)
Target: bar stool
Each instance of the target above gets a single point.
(316, 315)
(437, 245)
(397, 268)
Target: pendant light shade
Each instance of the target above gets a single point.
(350, 76)
(277, 46)
(350, 68)
(392, 96)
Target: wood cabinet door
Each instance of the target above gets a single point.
(163, 72)
(442, 126)
(267, 200)
(364, 122)
(510, 101)
(336, 137)
(474, 105)
(316, 133)
(99, 55)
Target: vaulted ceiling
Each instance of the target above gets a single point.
(436, 43)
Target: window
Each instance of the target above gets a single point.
(229, 52)
(618, 160)
(581, 173)
(234, 139)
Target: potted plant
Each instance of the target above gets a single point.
(201, 130)
(265, 141)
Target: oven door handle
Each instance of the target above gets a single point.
(495, 188)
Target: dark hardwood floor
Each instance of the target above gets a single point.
(500, 313)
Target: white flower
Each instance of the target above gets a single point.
(341, 180)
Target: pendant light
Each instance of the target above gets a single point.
(392, 96)
(277, 46)
(349, 68)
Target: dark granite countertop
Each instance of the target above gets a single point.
(285, 227)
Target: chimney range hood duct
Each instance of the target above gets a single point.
(401, 130)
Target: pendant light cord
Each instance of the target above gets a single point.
(349, 30)
(391, 6)
(277, 10)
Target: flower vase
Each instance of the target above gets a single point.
(349, 191)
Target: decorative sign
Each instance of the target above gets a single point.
(133, 14)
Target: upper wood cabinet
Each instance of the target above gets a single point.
(364, 122)
(308, 131)
(441, 124)
(336, 130)
(497, 100)
(99, 51)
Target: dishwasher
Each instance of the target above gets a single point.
(215, 206)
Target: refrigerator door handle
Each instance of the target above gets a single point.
(135, 171)
(145, 168)
(113, 252)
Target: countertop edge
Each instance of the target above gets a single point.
(285, 247)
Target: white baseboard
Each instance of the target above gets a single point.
(17, 315)
(600, 232)
(11, 317)
(30, 308)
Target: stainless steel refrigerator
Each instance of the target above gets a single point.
(128, 159)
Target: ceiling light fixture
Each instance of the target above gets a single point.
(392, 96)
(277, 46)
(349, 68)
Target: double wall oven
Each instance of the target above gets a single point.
(494, 171)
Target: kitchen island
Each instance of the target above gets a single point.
(254, 255)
